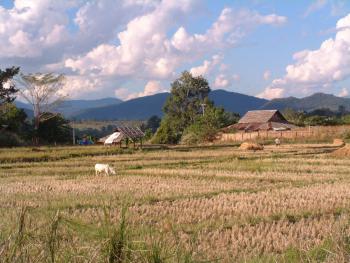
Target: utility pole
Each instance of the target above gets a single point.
(73, 133)
(203, 105)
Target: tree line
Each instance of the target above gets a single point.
(190, 117)
(318, 117)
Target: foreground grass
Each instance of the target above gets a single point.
(209, 204)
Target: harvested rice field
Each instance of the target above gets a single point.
(203, 204)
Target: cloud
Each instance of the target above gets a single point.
(207, 67)
(267, 75)
(230, 27)
(45, 31)
(223, 80)
(152, 87)
(316, 69)
(31, 27)
(145, 51)
(271, 93)
(75, 86)
(236, 77)
(315, 6)
(343, 93)
(103, 44)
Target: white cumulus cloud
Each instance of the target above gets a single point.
(343, 93)
(101, 45)
(146, 52)
(207, 67)
(152, 87)
(267, 75)
(316, 69)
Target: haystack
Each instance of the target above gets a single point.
(251, 146)
(342, 152)
(338, 142)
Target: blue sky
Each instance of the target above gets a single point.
(133, 48)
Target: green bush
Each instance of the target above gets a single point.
(206, 127)
(8, 139)
(168, 132)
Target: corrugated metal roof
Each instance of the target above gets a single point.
(262, 116)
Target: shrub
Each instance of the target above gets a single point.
(206, 127)
(8, 139)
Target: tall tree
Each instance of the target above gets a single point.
(44, 92)
(189, 96)
(7, 88)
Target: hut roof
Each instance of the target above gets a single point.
(259, 120)
(122, 133)
(263, 116)
(114, 138)
(131, 132)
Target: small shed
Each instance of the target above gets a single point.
(262, 120)
(114, 138)
(124, 134)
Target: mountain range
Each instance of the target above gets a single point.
(144, 107)
(70, 108)
(310, 103)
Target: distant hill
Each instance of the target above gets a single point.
(236, 102)
(70, 108)
(135, 109)
(22, 105)
(145, 107)
(313, 102)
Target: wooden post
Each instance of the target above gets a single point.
(141, 143)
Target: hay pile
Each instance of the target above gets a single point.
(251, 146)
(342, 152)
(338, 142)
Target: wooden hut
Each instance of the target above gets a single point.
(124, 134)
(262, 120)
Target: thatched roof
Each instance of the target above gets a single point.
(131, 132)
(262, 120)
(115, 137)
(122, 133)
(263, 116)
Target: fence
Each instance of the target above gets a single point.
(310, 132)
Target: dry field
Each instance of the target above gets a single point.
(208, 204)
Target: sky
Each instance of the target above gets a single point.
(134, 48)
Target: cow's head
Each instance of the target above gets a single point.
(111, 170)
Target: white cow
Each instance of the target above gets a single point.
(103, 168)
(277, 142)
